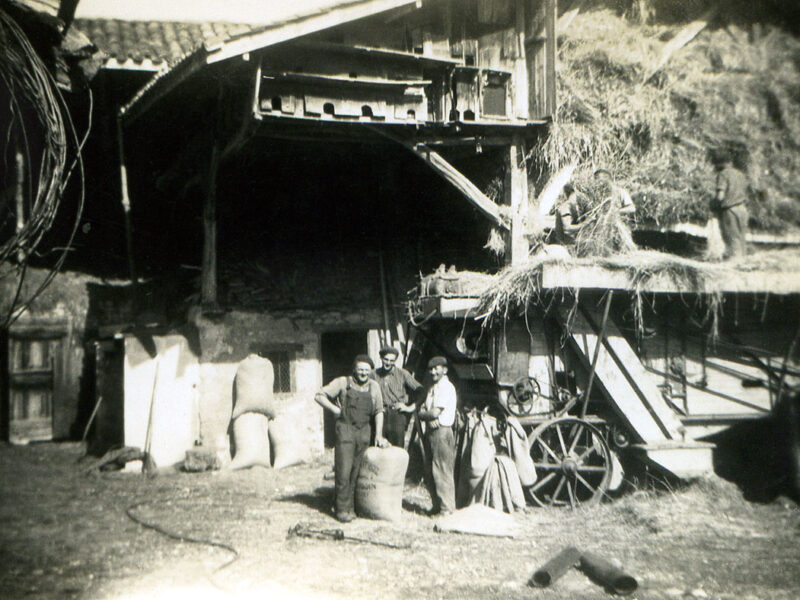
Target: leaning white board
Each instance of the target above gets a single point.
(174, 397)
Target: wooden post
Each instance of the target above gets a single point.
(550, 60)
(208, 286)
(126, 208)
(517, 198)
(520, 66)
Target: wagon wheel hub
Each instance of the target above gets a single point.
(569, 466)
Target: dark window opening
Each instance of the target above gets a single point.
(281, 358)
(276, 103)
(327, 108)
(281, 368)
(366, 111)
(469, 115)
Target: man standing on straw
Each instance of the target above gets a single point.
(439, 414)
(728, 204)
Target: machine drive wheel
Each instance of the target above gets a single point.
(524, 394)
(573, 463)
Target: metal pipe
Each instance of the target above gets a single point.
(603, 572)
(553, 569)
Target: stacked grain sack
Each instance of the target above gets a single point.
(291, 433)
(252, 409)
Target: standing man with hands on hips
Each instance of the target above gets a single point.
(354, 400)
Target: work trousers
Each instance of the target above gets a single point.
(733, 226)
(351, 443)
(442, 443)
(394, 427)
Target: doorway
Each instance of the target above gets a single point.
(338, 348)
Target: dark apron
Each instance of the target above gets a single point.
(352, 439)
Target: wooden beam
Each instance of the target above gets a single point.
(208, 285)
(516, 191)
(521, 108)
(468, 189)
(550, 61)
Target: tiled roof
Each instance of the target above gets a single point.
(153, 44)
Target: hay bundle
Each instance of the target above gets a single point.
(604, 233)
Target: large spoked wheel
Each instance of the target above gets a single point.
(573, 463)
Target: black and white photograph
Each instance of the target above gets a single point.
(399, 299)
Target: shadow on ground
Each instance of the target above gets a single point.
(762, 456)
(321, 500)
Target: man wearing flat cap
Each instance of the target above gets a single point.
(354, 400)
(439, 414)
(396, 385)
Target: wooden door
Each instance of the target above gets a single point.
(33, 364)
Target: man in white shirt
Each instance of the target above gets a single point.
(439, 414)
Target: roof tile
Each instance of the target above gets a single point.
(163, 42)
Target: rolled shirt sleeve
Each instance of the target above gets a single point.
(411, 382)
(334, 389)
(443, 395)
(377, 397)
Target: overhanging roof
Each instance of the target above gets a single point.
(283, 22)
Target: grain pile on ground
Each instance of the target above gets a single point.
(732, 85)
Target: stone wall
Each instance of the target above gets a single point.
(230, 338)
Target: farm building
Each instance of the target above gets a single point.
(285, 183)
(276, 186)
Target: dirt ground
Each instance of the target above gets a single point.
(66, 534)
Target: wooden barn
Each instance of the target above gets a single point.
(276, 186)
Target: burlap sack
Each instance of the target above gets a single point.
(517, 444)
(252, 387)
(251, 441)
(379, 489)
(289, 434)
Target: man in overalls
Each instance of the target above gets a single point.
(354, 400)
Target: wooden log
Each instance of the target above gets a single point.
(208, 286)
